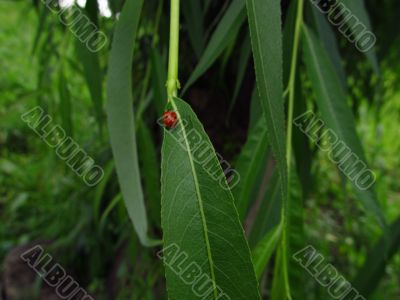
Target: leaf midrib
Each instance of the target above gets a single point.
(200, 201)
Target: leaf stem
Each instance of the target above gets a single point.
(173, 82)
(290, 91)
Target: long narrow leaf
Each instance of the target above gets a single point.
(199, 220)
(358, 9)
(249, 166)
(193, 13)
(121, 117)
(331, 100)
(266, 36)
(264, 250)
(226, 31)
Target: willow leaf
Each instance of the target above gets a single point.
(226, 31)
(266, 37)
(331, 101)
(121, 117)
(91, 66)
(249, 166)
(201, 226)
(328, 39)
(358, 9)
(159, 78)
(269, 215)
(150, 169)
(193, 13)
(264, 250)
(244, 56)
(93, 77)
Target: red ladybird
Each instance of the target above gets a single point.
(170, 119)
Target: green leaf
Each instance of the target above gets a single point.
(193, 13)
(266, 36)
(269, 213)
(373, 270)
(150, 167)
(328, 40)
(113, 203)
(301, 144)
(226, 31)
(357, 8)
(245, 53)
(288, 41)
(249, 166)
(43, 13)
(100, 188)
(296, 237)
(264, 250)
(199, 220)
(331, 100)
(65, 104)
(121, 117)
(93, 77)
(159, 78)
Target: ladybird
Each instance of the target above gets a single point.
(170, 119)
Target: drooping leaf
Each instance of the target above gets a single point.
(245, 53)
(150, 167)
(359, 11)
(249, 166)
(264, 250)
(199, 220)
(193, 13)
(301, 144)
(266, 37)
(296, 237)
(100, 189)
(332, 103)
(225, 32)
(328, 40)
(269, 213)
(121, 117)
(288, 41)
(295, 241)
(43, 13)
(93, 77)
(159, 78)
(113, 203)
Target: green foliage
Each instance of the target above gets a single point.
(248, 68)
(199, 217)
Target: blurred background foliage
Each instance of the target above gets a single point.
(88, 229)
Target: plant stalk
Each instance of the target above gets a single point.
(173, 82)
(290, 90)
(292, 78)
